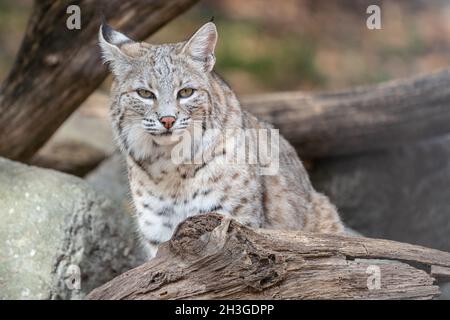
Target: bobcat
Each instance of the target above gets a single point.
(160, 94)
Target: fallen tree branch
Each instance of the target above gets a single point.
(57, 68)
(361, 119)
(212, 257)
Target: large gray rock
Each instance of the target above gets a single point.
(53, 224)
(401, 194)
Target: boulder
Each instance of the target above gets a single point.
(59, 237)
(400, 194)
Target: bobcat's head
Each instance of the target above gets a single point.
(161, 91)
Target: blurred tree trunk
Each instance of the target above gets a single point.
(215, 257)
(361, 119)
(57, 68)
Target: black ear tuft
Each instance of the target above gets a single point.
(212, 19)
(103, 18)
(107, 31)
(111, 36)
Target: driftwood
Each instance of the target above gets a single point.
(57, 68)
(212, 257)
(360, 119)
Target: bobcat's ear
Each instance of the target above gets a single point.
(111, 42)
(202, 44)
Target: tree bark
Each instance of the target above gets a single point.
(360, 119)
(214, 257)
(57, 68)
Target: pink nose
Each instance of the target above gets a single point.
(167, 122)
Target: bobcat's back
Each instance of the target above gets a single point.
(289, 200)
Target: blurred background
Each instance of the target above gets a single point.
(296, 44)
(399, 193)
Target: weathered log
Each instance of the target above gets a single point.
(69, 156)
(361, 119)
(57, 68)
(213, 257)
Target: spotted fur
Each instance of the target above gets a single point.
(165, 193)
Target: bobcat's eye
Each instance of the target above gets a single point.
(146, 94)
(185, 92)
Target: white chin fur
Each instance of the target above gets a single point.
(141, 142)
(168, 140)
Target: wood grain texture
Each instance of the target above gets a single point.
(361, 119)
(57, 68)
(212, 257)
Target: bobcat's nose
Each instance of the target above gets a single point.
(167, 121)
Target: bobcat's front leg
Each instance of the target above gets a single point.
(154, 230)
